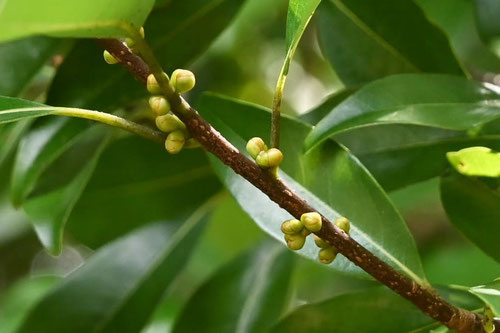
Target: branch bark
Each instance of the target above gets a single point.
(425, 298)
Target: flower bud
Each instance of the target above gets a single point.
(255, 146)
(326, 256)
(192, 143)
(182, 80)
(109, 58)
(291, 227)
(312, 221)
(343, 224)
(152, 85)
(169, 123)
(322, 244)
(130, 42)
(175, 142)
(159, 105)
(269, 158)
(295, 242)
(304, 232)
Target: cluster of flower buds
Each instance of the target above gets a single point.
(327, 252)
(178, 137)
(265, 158)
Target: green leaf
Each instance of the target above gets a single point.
(178, 32)
(247, 295)
(368, 40)
(118, 288)
(20, 60)
(457, 19)
(437, 101)
(476, 161)
(488, 12)
(19, 299)
(10, 134)
(490, 295)
(299, 15)
(473, 206)
(366, 311)
(337, 178)
(136, 182)
(93, 18)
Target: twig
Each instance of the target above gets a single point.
(423, 297)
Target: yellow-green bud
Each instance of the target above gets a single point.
(159, 105)
(182, 80)
(304, 232)
(255, 146)
(291, 227)
(175, 142)
(269, 158)
(327, 256)
(109, 58)
(343, 224)
(312, 221)
(152, 85)
(192, 143)
(295, 242)
(321, 243)
(169, 123)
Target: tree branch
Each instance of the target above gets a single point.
(426, 299)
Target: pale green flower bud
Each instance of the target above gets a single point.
(159, 105)
(169, 123)
(291, 227)
(327, 255)
(109, 58)
(192, 143)
(321, 243)
(312, 221)
(175, 142)
(255, 146)
(152, 85)
(295, 242)
(269, 158)
(343, 224)
(182, 80)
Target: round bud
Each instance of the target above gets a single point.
(343, 224)
(192, 143)
(152, 85)
(321, 243)
(159, 105)
(312, 221)
(295, 242)
(129, 42)
(304, 232)
(255, 146)
(182, 80)
(141, 31)
(109, 58)
(291, 227)
(270, 158)
(175, 142)
(327, 256)
(169, 123)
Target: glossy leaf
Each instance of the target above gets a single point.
(490, 295)
(487, 12)
(337, 178)
(167, 187)
(247, 295)
(10, 134)
(437, 101)
(473, 206)
(119, 287)
(93, 18)
(457, 19)
(368, 40)
(20, 60)
(476, 161)
(178, 32)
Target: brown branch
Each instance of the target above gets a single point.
(423, 297)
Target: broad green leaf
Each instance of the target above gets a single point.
(476, 161)
(19, 299)
(178, 32)
(118, 288)
(437, 101)
(372, 310)
(20, 60)
(490, 295)
(319, 112)
(328, 178)
(368, 40)
(247, 295)
(473, 206)
(10, 134)
(487, 12)
(137, 182)
(92, 18)
(457, 19)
